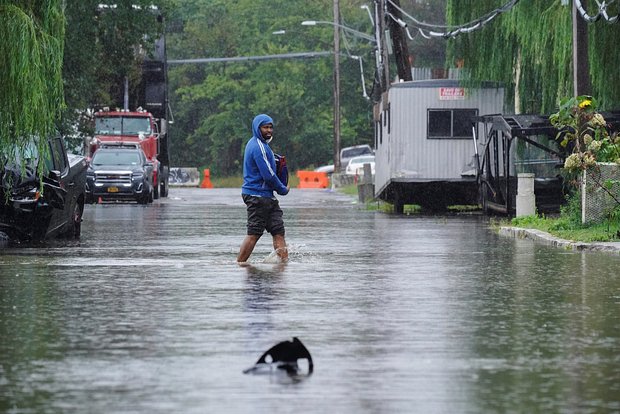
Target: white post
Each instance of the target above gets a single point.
(526, 200)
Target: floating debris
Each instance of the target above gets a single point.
(283, 357)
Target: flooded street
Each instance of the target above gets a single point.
(149, 313)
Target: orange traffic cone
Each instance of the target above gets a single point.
(206, 180)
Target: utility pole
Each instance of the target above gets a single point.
(336, 86)
(384, 74)
(581, 72)
(399, 44)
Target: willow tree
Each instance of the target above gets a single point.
(31, 89)
(529, 50)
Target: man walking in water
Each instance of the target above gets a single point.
(259, 182)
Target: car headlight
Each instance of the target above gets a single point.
(137, 176)
(26, 194)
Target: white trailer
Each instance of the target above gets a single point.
(424, 140)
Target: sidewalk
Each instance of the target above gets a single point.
(541, 236)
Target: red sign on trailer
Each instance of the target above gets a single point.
(450, 94)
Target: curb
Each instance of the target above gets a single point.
(546, 238)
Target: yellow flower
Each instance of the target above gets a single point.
(585, 102)
(587, 139)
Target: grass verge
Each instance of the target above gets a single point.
(567, 229)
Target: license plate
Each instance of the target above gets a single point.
(112, 189)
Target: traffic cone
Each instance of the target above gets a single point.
(206, 180)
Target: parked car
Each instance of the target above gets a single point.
(356, 165)
(329, 169)
(349, 152)
(35, 207)
(119, 174)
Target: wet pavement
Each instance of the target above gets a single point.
(149, 312)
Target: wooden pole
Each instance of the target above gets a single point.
(581, 72)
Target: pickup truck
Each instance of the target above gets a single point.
(349, 152)
(34, 209)
(120, 174)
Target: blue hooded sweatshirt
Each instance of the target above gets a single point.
(259, 164)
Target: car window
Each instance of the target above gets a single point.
(116, 158)
(58, 155)
(15, 154)
(354, 152)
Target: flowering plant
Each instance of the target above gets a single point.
(585, 130)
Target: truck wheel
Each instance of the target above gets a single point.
(143, 199)
(156, 191)
(164, 188)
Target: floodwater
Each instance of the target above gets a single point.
(149, 313)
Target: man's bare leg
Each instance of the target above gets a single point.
(279, 244)
(247, 247)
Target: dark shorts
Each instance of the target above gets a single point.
(263, 214)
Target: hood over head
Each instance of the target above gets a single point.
(259, 120)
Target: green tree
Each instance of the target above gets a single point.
(214, 104)
(105, 42)
(529, 50)
(31, 50)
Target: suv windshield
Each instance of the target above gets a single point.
(15, 155)
(122, 125)
(116, 158)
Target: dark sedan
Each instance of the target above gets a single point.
(119, 174)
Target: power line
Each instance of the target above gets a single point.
(425, 28)
(247, 58)
(602, 12)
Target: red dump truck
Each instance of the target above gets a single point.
(138, 128)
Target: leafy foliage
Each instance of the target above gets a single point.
(214, 104)
(529, 50)
(31, 52)
(103, 45)
(585, 131)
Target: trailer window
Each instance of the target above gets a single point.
(450, 123)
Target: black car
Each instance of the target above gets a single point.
(119, 174)
(34, 207)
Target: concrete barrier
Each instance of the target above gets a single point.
(183, 177)
(312, 179)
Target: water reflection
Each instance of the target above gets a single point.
(264, 283)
